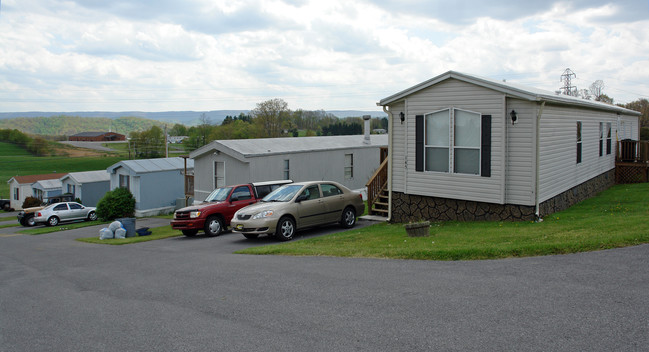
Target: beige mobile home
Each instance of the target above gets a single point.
(469, 148)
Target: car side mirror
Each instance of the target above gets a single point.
(301, 197)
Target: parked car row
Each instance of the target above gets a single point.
(53, 214)
(280, 209)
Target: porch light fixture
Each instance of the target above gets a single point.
(402, 116)
(514, 116)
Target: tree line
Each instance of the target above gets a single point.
(37, 146)
(272, 119)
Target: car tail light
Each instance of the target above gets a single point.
(39, 214)
(361, 196)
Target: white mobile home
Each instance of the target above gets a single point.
(475, 148)
(350, 160)
(20, 187)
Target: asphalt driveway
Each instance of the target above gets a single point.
(193, 294)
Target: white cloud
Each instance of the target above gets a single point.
(199, 55)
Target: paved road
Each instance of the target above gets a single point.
(193, 294)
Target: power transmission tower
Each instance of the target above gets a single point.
(566, 78)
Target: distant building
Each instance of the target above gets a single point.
(176, 139)
(97, 137)
(21, 187)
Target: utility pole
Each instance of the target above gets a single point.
(166, 143)
(566, 78)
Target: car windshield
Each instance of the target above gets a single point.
(282, 194)
(219, 194)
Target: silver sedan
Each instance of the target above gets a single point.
(65, 211)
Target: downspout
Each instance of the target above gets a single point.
(537, 162)
(390, 134)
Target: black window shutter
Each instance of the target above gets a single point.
(485, 147)
(419, 143)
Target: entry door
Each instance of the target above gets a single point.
(219, 174)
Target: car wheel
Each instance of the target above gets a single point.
(190, 233)
(6, 207)
(251, 236)
(213, 226)
(348, 219)
(92, 216)
(285, 229)
(30, 221)
(52, 221)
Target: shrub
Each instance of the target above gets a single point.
(118, 203)
(31, 202)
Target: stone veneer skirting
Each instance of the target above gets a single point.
(407, 207)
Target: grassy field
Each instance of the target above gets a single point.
(616, 218)
(15, 161)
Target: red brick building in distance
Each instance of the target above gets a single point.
(97, 137)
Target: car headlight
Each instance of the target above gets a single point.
(263, 214)
(194, 214)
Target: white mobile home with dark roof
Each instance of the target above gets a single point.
(464, 147)
(350, 160)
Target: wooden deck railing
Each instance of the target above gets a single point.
(632, 162)
(376, 183)
(630, 151)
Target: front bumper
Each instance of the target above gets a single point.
(257, 226)
(189, 224)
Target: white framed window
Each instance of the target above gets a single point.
(608, 138)
(349, 166)
(125, 182)
(578, 142)
(16, 193)
(601, 139)
(71, 188)
(287, 169)
(452, 141)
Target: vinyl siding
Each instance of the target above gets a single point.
(398, 148)
(451, 94)
(559, 170)
(520, 174)
(236, 172)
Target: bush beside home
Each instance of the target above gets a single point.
(118, 203)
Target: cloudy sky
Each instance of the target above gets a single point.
(115, 55)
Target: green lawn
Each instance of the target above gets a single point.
(62, 227)
(15, 161)
(616, 218)
(157, 233)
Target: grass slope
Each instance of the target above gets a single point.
(617, 217)
(15, 161)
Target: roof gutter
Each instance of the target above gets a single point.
(390, 133)
(537, 162)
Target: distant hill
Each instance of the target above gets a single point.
(69, 123)
(188, 118)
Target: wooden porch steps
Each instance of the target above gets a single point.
(380, 205)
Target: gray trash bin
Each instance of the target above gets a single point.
(129, 226)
